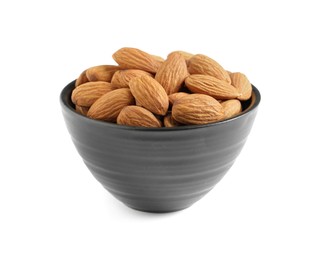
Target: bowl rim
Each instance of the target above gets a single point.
(65, 97)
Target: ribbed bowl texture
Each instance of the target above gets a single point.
(158, 169)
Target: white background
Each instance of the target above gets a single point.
(53, 208)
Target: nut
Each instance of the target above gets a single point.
(175, 96)
(101, 73)
(205, 84)
(202, 64)
(197, 109)
(109, 105)
(132, 58)
(149, 94)
(231, 108)
(137, 116)
(86, 94)
(172, 73)
(144, 90)
(122, 77)
(242, 84)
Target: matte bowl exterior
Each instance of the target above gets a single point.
(158, 169)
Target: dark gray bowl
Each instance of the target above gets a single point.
(158, 169)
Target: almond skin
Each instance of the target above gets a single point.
(172, 73)
(86, 94)
(101, 72)
(82, 110)
(109, 105)
(169, 121)
(197, 109)
(132, 58)
(137, 116)
(81, 79)
(122, 78)
(202, 64)
(242, 84)
(231, 108)
(175, 96)
(211, 86)
(187, 56)
(149, 94)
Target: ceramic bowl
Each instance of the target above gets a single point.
(158, 169)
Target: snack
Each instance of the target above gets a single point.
(145, 90)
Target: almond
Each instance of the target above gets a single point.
(137, 116)
(172, 73)
(82, 110)
(86, 94)
(175, 96)
(169, 121)
(132, 58)
(231, 108)
(158, 58)
(187, 56)
(202, 64)
(109, 105)
(197, 109)
(122, 77)
(149, 94)
(101, 72)
(211, 86)
(242, 84)
(81, 79)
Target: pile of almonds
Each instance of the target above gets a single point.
(146, 90)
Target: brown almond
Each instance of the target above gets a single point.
(187, 56)
(101, 72)
(172, 73)
(108, 106)
(205, 84)
(197, 109)
(132, 58)
(231, 108)
(158, 58)
(242, 84)
(86, 94)
(175, 96)
(122, 77)
(202, 64)
(81, 79)
(169, 121)
(82, 110)
(149, 94)
(137, 116)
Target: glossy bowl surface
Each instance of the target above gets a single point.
(158, 169)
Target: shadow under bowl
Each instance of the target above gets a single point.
(158, 169)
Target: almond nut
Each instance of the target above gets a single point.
(82, 110)
(101, 72)
(175, 96)
(172, 73)
(122, 77)
(132, 58)
(169, 121)
(202, 64)
(86, 94)
(211, 86)
(149, 94)
(242, 84)
(137, 116)
(81, 79)
(197, 109)
(109, 105)
(231, 108)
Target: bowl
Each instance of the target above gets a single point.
(158, 169)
